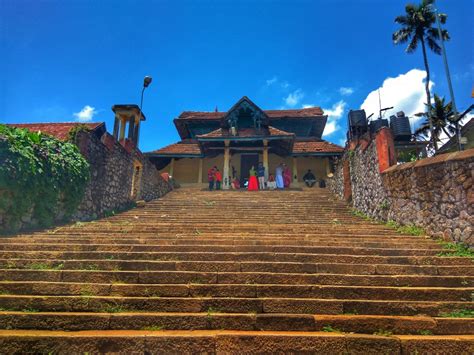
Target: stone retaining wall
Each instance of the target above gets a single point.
(433, 193)
(436, 194)
(112, 173)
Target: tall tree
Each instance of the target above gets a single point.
(443, 120)
(418, 26)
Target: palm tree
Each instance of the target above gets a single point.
(442, 118)
(417, 27)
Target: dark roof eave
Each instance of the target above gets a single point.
(320, 154)
(173, 155)
(236, 138)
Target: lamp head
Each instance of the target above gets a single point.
(147, 81)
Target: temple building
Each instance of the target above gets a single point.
(243, 136)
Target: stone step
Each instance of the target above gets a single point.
(293, 305)
(236, 266)
(45, 288)
(221, 248)
(185, 277)
(227, 342)
(74, 321)
(236, 257)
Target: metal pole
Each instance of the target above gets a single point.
(140, 118)
(448, 75)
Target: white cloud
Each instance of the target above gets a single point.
(272, 81)
(294, 98)
(307, 105)
(405, 93)
(86, 114)
(346, 91)
(334, 115)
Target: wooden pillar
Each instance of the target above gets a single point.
(225, 175)
(295, 171)
(200, 171)
(265, 158)
(171, 167)
(122, 129)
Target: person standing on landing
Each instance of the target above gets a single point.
(261, 176)
(286, 176)
(218, 176)
(210, 178)
(253, 184)
(279, 177)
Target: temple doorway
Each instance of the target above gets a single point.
(246, 162)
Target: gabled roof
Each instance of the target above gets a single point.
(179, 149)
(315, 147)
(246, 133)
(59, 130)
(310, 112)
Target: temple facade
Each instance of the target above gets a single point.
(243, 136)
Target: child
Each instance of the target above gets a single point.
(218, 176)
(271, 182)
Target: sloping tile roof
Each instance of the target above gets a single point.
(246, 132)
(58, 130)
(316, 147)
(187, 148)
(299, 113)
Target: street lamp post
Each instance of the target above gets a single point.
(448, 75)
(146, 82)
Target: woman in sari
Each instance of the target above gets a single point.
(286, 176)
(253, 183)
(279, 177)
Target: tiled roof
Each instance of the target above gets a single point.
(245, 133)
(316, 147)
(299, 113)
(58, 130)
(179, 148)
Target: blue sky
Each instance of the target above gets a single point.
(61, 58)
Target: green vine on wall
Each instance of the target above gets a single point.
(39, 175)
(72, 134)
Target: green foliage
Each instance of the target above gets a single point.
(425, 332)
(455, 249)
(383, 333)
(39, 174)
(408, 229)
(72, 134)
(330, 329)
(459, 313)
(384, 205)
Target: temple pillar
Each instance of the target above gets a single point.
(116, 127)
(200, 171)
(171, 167)
(122, 130)
(225, 175)
(265, 158)
(131, 131)
(295, 171)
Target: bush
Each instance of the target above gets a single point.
(39, 175)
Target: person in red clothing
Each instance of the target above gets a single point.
(211, 177)
(218, 177)
(253, 183)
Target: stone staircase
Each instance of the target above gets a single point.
(233, 272)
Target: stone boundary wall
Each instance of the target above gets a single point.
(112, 166)
(433, 193)
(436, 194)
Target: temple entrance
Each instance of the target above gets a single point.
(246, 162)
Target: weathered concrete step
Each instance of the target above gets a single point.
(184, 277)
(39, 288)
(237, 266)
(226, 305)
(213, 248)
(243, 321)
(236, 257)
(227, 342)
